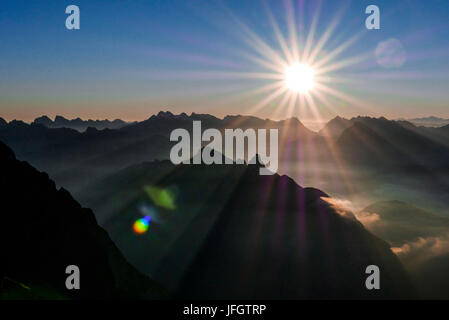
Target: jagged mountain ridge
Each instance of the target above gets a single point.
(79, 124)
(73, 158)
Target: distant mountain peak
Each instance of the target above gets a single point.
(292, 120)
(169, 115)
(60, 118)
(203, 116)
(335, 127)
(166, 114)
(43, 118)
(78, 123)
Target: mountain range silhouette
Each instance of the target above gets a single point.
(79, 124)
(74, 159)
(216, 210)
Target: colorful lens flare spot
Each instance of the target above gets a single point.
(164, 198)
(141, 225)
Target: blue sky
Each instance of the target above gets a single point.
(131, 59)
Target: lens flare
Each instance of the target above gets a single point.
(141, 225)
(161, 197)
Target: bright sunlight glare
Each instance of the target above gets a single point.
(299, 77)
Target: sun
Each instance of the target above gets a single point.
(299, 77)
(302, 71)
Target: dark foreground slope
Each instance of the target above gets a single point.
(432, 279)
(43, 230)
(288, 244)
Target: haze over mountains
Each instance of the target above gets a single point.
(224, 231)
(123, 174)
(358, 150)
(419, 238)
(208, 238)
(369, 150)
(81, 125)
(431, 121)
(94, 153)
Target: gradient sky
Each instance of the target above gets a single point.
(131, 59)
